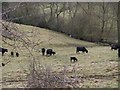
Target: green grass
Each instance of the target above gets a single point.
(99, 61)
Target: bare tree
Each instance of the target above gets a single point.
(72, 10)
(119, 28)
(103, 21)
(60, 7)
(90, 19)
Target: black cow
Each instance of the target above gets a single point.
(3, 64)
(17, 54)
(115, 46)
(3, 50)
(50, 52)
(43, 51)
(12, 54)
(74, 59)
(83, 49)
(119, 52)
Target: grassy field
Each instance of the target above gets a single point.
(98, 68)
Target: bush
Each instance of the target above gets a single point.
(45, 78)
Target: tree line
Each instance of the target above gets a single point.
(91, 21)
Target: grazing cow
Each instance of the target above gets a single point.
(3, 64)
(74, 59)
(115, 46)
(12, 54)
(17, 54)
(50, 52)
(43, 51)
(83, 49)
(119, 52)
(3, 50)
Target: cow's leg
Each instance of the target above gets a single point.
(76, 51)
(2, 53)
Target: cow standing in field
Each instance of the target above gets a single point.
(43, 51)
(3, 64)
(3, 50)
(74, 59)
(115, 46)
(50, 52)
(83, 49)
(119, 52)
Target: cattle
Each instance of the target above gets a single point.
(50, 52)
(43, 51)
(3, 64)
(83, 49)
(3, 50)
(74, 59)
(119, 52)
(12, 54)
(17, 54)
(115, 46)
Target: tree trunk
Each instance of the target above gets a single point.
(103, 22)
(119, 28)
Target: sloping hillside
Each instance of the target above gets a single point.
(98, 65)
(50, 37)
